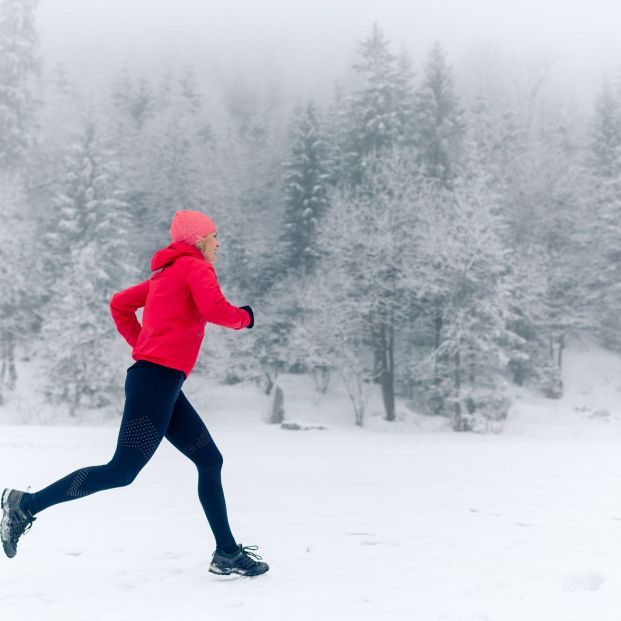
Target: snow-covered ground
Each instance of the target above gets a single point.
(401, 521)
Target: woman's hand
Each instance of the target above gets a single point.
(249, 311)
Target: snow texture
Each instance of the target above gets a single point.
(402, 521)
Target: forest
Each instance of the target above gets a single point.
(402, 236)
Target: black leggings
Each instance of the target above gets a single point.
(155, 407)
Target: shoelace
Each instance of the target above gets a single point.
(247, 552)
(21, 527)
(29, 517)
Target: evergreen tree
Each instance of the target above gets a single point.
(136, 102)
(380, 117)
(306, 192)
(379, 113)
(189, 91)
(605, 218)
(464, 284)
(405, 96)
(361, 279)
(531, 157)
(19, 65)
(439, 118)
(19, 62)
(81, 348)
(174, 177)
(91, 247)
(606, 134)
(250, 173)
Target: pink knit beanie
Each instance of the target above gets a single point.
(190, 226)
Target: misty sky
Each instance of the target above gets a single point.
(307, 44)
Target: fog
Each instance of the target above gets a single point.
(442, 232)
(304, 46)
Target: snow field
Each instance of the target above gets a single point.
(354, 526)
(404, 521)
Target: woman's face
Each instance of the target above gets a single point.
(209, 247)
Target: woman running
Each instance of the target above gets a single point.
(182, 295)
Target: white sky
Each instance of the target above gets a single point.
(307, 44)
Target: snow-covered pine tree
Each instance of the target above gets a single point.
(364, 238)
(606, 133)
(405, 95)
(92, 247)
(440, 133)
(255, 147)
(19, 65)
(529, 148)
(563, 224)
(175, 170)
(82, 352)
(604, 279)
(337, 128)
(306, 188)
(543, 205)
(462, 270)
(189, 93)
(439, 118)
(130, 121)
(60, 119)
(294, 257)
(491, 137)
(19, 281)
(136, 102)
(379, 117)
(378, 111)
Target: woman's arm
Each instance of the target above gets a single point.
(123, 307)
(210, 300)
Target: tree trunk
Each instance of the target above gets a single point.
(388, 370)
(11, 361)
(354, 386)
(269, 382)
(518, 374)
(561, 347)
(321, 378)
(4, 368)
(438, 401)
(458, 422)
(277, 407)
(8, 371)
(75, 403)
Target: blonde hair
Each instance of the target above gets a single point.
(200, 242)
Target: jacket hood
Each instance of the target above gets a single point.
(171, 253)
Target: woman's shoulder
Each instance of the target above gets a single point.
(195, 266)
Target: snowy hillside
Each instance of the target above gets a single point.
(356, 524)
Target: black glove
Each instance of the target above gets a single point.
(249, 311)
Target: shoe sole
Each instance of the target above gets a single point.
(3, 524)
(214, 569)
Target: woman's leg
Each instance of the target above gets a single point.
(188, 433)
(151, 391)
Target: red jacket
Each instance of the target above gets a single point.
(178, 301)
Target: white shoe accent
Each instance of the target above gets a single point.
(4, 525)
